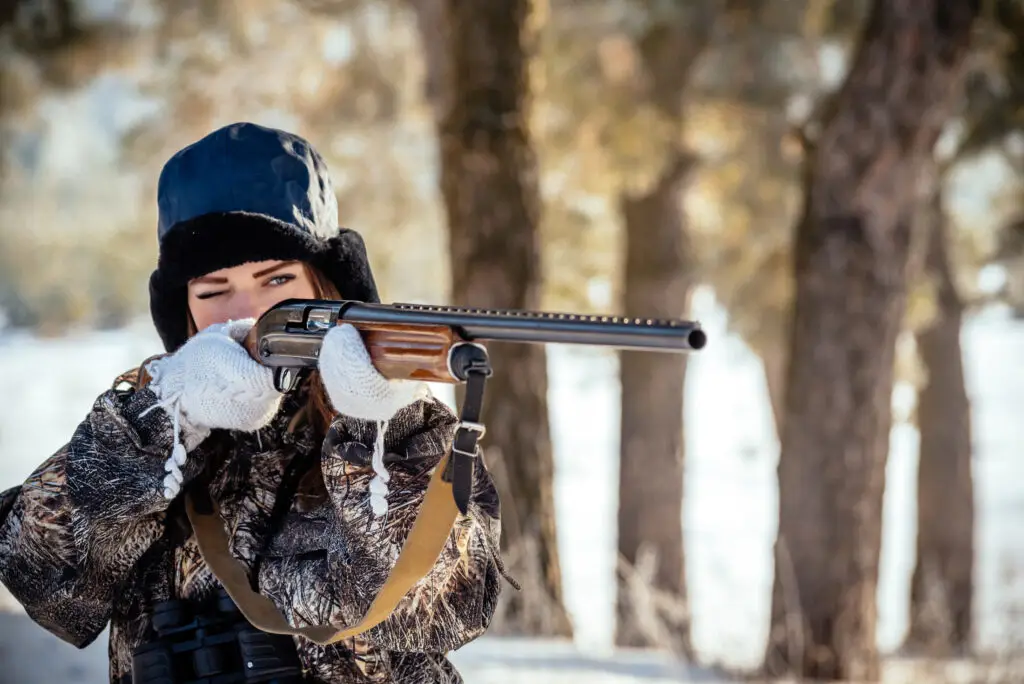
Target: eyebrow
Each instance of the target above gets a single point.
(266, 271)
(220, 281)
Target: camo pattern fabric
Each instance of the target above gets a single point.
(87, 541)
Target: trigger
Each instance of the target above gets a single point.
(285, 379)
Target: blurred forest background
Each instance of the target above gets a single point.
(843, 176)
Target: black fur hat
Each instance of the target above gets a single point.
(248, 193)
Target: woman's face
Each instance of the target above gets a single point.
(246, 291)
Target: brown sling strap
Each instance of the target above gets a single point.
(426, 540)
(444, 499)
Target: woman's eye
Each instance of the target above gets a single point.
(281, 279)
(208, 295)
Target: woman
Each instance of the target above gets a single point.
(317, 489)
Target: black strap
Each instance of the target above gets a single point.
(286, 489)
(465, 450)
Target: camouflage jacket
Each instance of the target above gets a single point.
(87, 540)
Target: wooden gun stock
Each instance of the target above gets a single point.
(405, 352)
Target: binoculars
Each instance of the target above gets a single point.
(213, 646)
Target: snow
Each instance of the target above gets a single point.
(729, 514)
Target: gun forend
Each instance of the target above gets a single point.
(415, 341)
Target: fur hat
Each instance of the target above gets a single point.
(248, 193)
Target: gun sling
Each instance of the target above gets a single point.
(447, 495)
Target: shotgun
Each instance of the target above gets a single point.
(443, 343)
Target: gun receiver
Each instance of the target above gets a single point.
(429, 343)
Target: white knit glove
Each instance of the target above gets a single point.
(357, 389)
(211, 382)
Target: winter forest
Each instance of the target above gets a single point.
(832, 489)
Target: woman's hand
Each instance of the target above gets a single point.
(358, 390)
(215, 381)
(212, 382)
(355, 387)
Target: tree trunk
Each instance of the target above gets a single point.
(775, 366)
(433, 32)
(942, 585)
(490, 188)
(651, 601)
(851, 259)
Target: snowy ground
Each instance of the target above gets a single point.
(729, 516)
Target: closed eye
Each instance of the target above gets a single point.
(209, 295)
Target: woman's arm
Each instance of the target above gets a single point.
(454, 603)
(85, 517)
(71, 533)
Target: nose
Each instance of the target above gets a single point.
(245, 305)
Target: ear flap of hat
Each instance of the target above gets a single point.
(169, 307)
